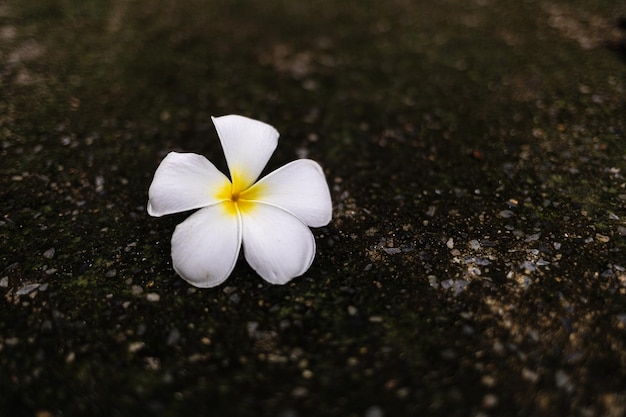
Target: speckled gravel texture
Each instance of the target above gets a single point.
(476, 260)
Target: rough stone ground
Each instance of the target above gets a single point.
(475, 265)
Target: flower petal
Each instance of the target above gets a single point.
(276, 244)
(205, 247)
(248, 145)
(300, 188)
(184, 181)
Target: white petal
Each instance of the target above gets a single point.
(276, 244)
(248, 145)
(205, 247)
(300, 188)
(184, 181)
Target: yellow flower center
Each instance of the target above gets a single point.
(238, 200)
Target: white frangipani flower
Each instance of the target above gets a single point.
(270, 217)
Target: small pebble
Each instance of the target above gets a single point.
(252, 327)
(482, 261)
(472, 270)
(563, 380)
(27, 289)
(4, 282)
(99, 184)
(506, 214)
(49, 254)
(488, 380)
(459, 285)
(153, 297)
(602, 238)
(352, 361)
(229, 290)
(11, 341)
(300, 392)
(374, 411)
(392, 251)
(274, 358)
(533, 237)
(447, 283)
(529, 375)
(490, 401)
(528, 266)
(135, 346)
(173, 337)
(432, 280)
(153, 363)
(450, 243)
